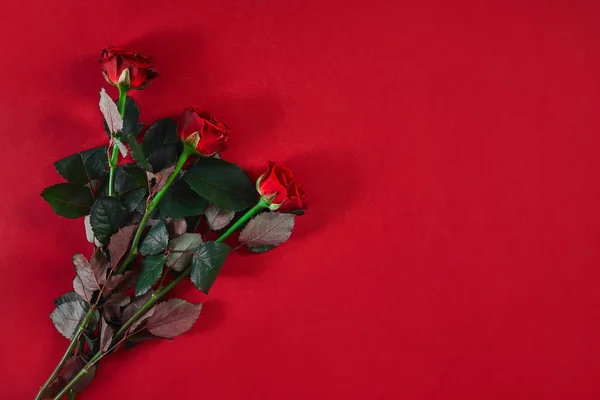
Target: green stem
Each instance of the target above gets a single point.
(150, 207)
(156, 296)
(122, 101)
(67, 355)
(139, 313)
(80, 346)
(112, 163)
(77, 377)
(114, 158)
(148, 305)
(251, 213)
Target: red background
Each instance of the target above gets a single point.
(450, 153)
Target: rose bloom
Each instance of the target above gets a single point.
(279, 188)
(200, 130)
(115, 60)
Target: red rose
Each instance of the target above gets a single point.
(115, 60)
(202, 131)
(280, 189)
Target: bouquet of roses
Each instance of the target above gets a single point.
(157, 211)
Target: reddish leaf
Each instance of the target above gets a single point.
(113, 306)
(55, 387)
(173, 317)
(92, 275)
(135, 304)
(116, 142)
(133, 307)
(125, 281)
(160, 178)
(111, 114)
(112, 313)
(181, 250)
(120, 242)
(268, 229)
(139, 337)
(218, 218)
(99, 264)
(118, 299)
(143, 318)
(81, 290)
(177, 227)
(72, 367)
(106, 335)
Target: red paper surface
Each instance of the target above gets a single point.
(449, 150)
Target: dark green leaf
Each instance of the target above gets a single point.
(89, 233)
(138, 173)
(131, 124)
(156, 240)
(261, 249)
(68, 200)
(69, 296)
(135, 200)
(124, 181)
(93, 322)
(164, 156)
(81, 168)
(131, 118)
(160, 133)
(193, 222)
(92, 342)
(136, 151)
(68, 315)
(130, 186)
(152, 267)
(206, 264)
(161, 144)
(107, 216)
(173, 317)
(180, 201)
(181, 249)
(100, 185)
(222, 183)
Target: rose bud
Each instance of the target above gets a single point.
(280, 190)
(126, 68)
(200, 130)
